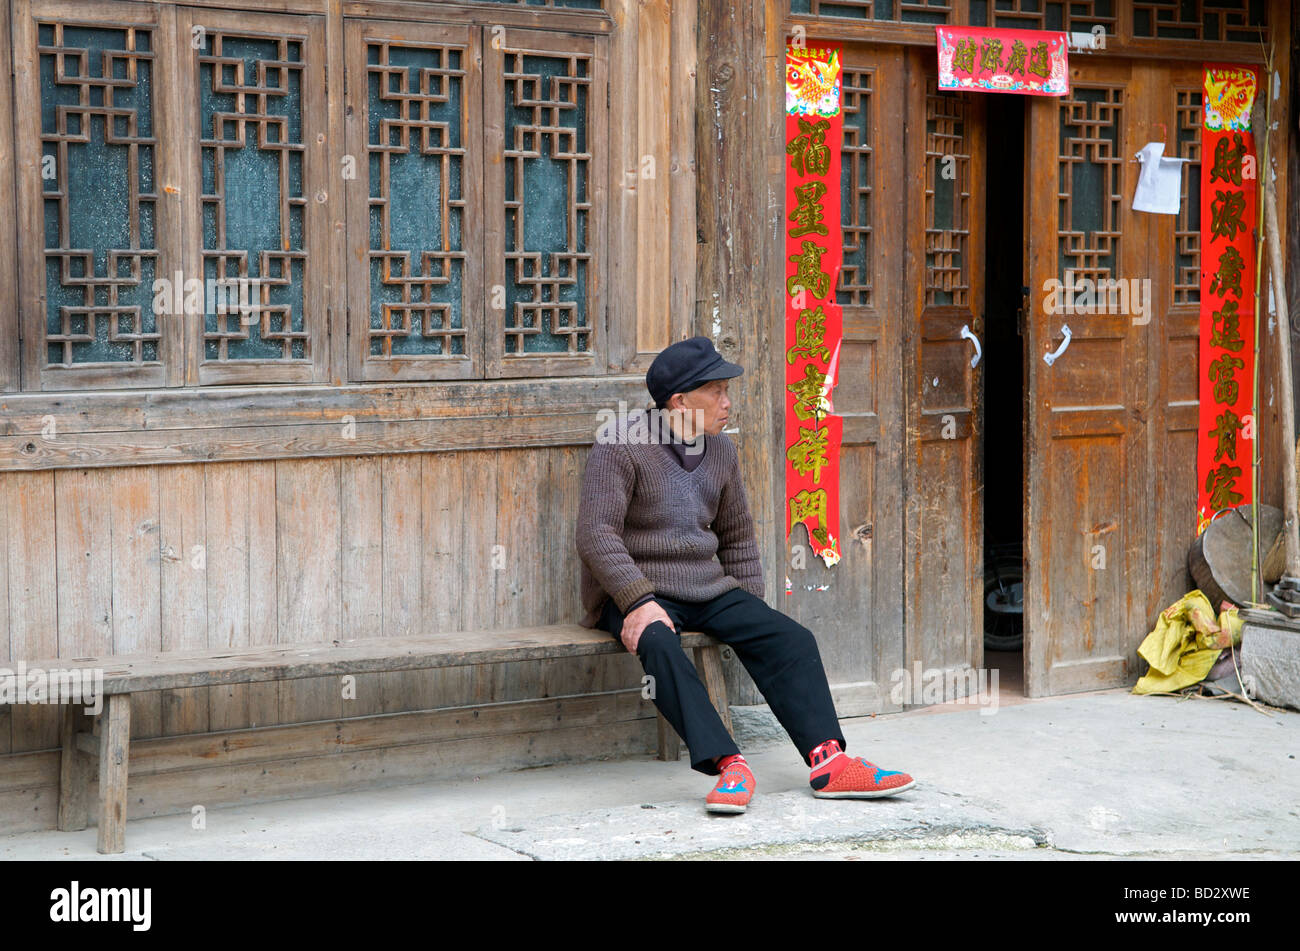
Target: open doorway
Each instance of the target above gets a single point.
(1004, 403)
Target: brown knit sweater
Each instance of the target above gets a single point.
(646, 525)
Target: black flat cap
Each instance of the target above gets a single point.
(685, 365)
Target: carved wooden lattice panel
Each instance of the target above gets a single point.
(907, 11)
(98, 169)
(1234, 21)
(253, 196)
(857, 178)
(415, 120)
(1187, 229)
(545, 97)
(415, 149)
(1074, 15)
(1090, 183)
(547, 247)
(947, 197)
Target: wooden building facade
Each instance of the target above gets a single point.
(471, 227)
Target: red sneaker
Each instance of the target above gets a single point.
(836, 775)
(734, 789)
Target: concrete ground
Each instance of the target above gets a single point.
(1090, 776)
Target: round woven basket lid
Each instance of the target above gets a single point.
(1219, 559)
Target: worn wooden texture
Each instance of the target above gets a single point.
(308, 660)
(1289, 182)
(652, 173)
(31, 594)
(942, 458)
(739, 200)
(660, 222)
(1274, 451)
(74, 772)
(308, 559)
(241, 575)
(1088, 453)
(1120, 39)
(184, 538)
(39, 431)
(855, 608)
(240, 555)
(168, 773)
(114, 753)
(9, 314)
(142, 586)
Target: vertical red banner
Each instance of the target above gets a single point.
(1227, 334)
(814, 252)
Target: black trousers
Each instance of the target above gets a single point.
(779, 653)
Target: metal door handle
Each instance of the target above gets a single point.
(1050, 358)
(967, 335)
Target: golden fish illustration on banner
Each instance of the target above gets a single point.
(812, 82)
(1229, 97)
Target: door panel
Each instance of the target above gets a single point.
(943, 475)
(1087, 455)
(864, 587)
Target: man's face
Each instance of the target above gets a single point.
(712, 402)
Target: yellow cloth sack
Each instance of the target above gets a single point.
(1186, 643)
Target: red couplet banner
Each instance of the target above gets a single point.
(983, 59)
(1227, 338)
(814, 251)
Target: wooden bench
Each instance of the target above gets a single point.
(107, 736)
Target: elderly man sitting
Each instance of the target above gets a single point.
(667, 544)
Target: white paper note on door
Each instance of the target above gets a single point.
(1159, 187)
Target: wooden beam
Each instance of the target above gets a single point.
(49, 431)
(739, 201)
(74, 774)
(130, 673)
(114, 753)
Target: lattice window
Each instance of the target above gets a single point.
(253, 202)
(98, 154)
(857, 177)
(547, 202)
(416, 113)
(1187, 230)
(1090, 183)
(947, 198)
(474, 210)
(1234, 21)
(1071, 15)
(907, 11)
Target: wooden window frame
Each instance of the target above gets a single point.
(1123, 43)
(340, 414)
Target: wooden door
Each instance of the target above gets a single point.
(859, 599)
(1102, 413)
(943, 325)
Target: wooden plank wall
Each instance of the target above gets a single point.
(104, 561)
(306, 549)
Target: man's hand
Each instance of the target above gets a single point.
(639, 620)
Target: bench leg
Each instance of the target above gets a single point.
(74, 773)
(708, 661)
(114, 750)
(670, 744)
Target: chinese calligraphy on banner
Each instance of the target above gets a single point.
(814, 251)
(1228, 195)
(1025, 62)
